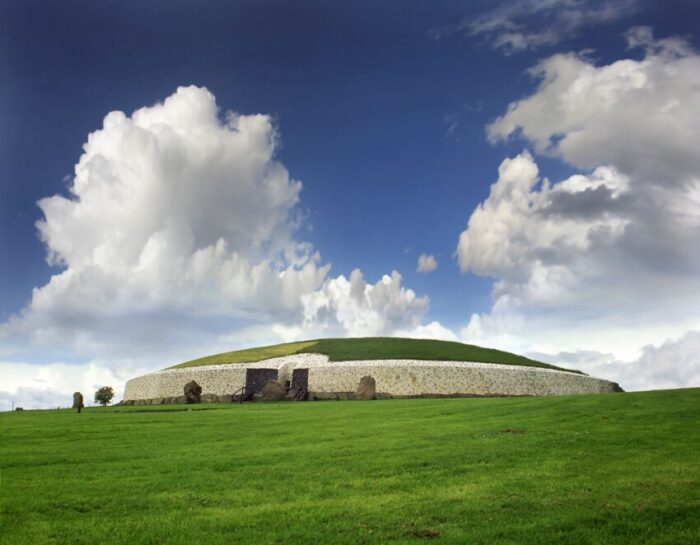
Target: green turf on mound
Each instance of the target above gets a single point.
(373, 348)
(587, 469)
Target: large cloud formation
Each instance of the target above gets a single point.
(613, 250)
(175, 208)
(180, 227)
(639, 115)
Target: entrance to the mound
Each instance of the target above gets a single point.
(299, 390)
(300, 379)
(255, 379)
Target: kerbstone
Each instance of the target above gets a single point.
(273, 391)
(367, 389)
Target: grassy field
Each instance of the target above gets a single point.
(608, 469)
(373, 348)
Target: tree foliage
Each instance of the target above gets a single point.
(104, 395)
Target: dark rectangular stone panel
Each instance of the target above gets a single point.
(255, 379)
(300, 379)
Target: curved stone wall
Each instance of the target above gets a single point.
(394, 378)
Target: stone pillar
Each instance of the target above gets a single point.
(193, 392)
(78, 401)
(367, 389)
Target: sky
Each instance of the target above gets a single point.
(183, 178)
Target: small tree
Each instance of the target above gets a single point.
(104, 395)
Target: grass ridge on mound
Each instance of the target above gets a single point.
(374, 348)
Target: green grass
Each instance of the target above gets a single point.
(605, 469)
(373, 348)
(249, 354)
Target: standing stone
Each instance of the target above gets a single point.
(193, 392)
(273, 391)
(367, 389)
(78, 401)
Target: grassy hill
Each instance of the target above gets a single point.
(581, 469)
(373, 348)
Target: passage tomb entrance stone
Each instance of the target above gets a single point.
(300, 379)
(255, 379)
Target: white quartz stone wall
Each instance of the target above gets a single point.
(393, 377)
(415, 377)
(224, 379)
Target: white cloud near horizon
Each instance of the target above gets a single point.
(519, 25)
(362, 309)
(51, 385)
(609, 258)
(433, 330)
(671, 364)
(426, 263)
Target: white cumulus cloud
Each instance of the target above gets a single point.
(174, 208)
(553, 244)
(179, 227)
(606, 260)
(639, 115)
(634, 221)
(426, 263)
(363, 309)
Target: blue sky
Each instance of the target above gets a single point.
(382, 112)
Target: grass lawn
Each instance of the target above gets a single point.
(607, 469)
(373, 348)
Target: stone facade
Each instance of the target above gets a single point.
(394, 378)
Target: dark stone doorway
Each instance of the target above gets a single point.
(255, 379)
(300, 379)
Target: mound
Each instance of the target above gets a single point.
(333, 368)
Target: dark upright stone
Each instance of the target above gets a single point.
(193, 392)
(367, 389)
(78, 401)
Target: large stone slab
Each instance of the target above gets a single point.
(366, 389)
(193, 392)
(273, 391)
